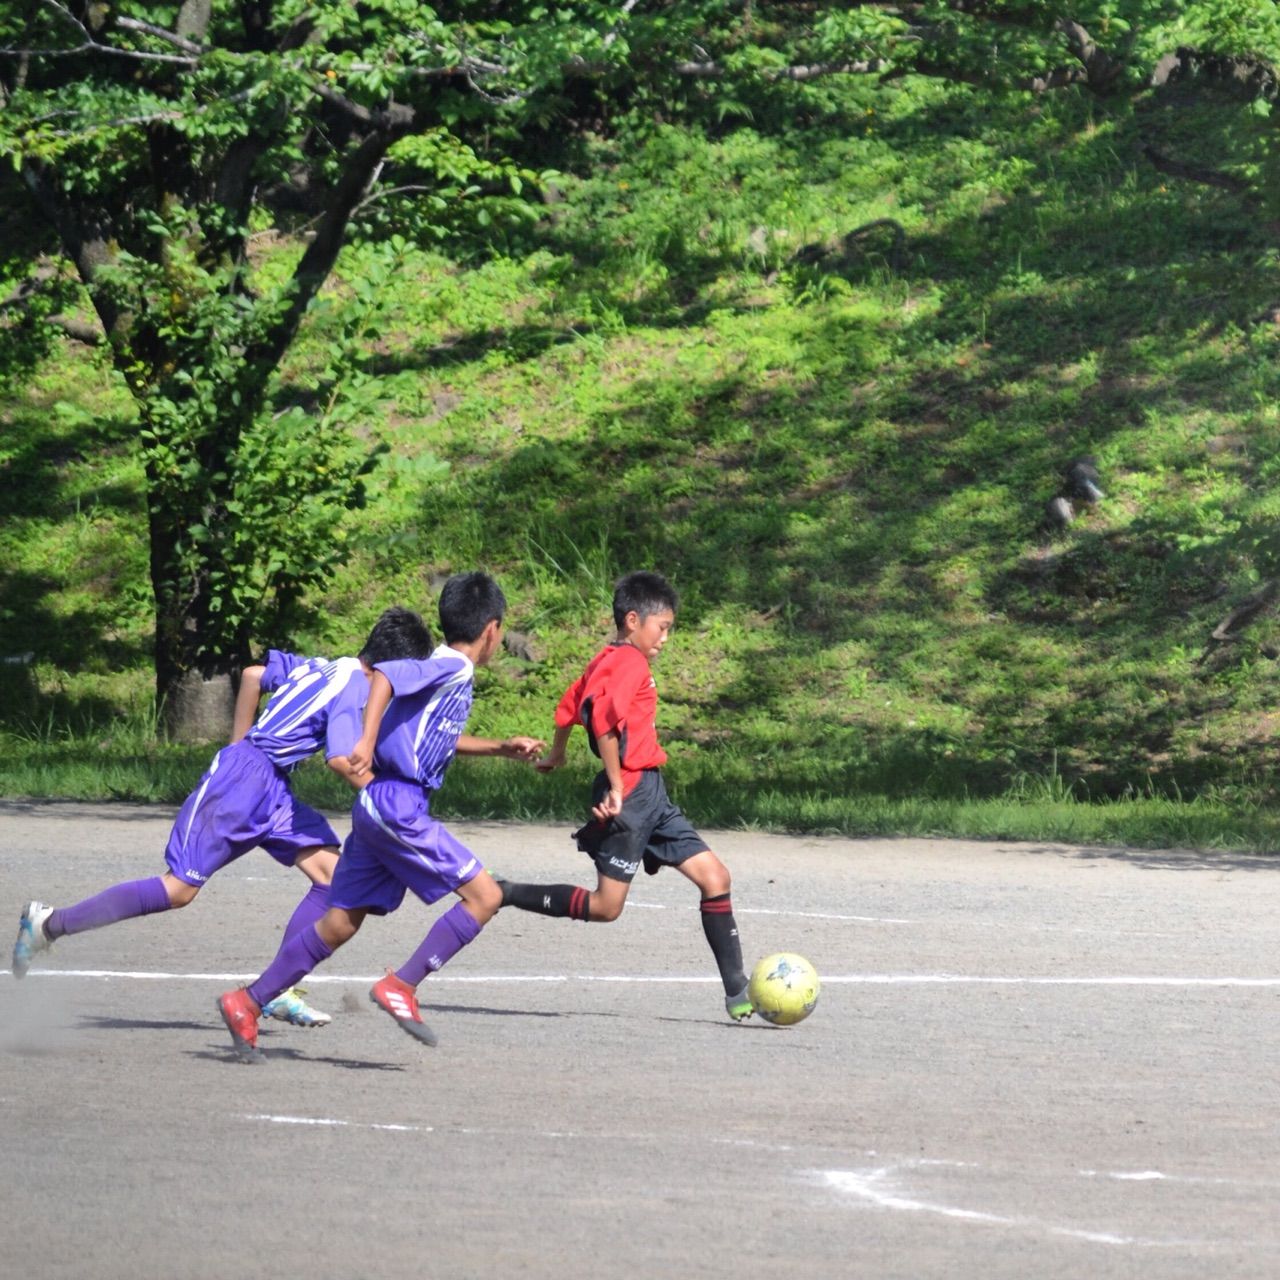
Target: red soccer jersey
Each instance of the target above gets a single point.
(617, 693)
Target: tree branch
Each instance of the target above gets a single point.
(1196, 173)
(91, 44)
(313, 269)
(169, 37)
(710, 70)
(87, 244)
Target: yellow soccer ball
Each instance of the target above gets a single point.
(784, 989)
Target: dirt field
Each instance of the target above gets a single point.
(1026, 1061)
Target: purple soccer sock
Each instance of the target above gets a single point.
(309, 910)
(447, 937)
(120, 902)
(296, 958)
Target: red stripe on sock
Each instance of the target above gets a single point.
(714, 906)
(577, 904)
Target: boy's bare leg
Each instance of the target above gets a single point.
(318, 864)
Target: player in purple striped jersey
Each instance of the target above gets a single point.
(413, 727)
(244, 800)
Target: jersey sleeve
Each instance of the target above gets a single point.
(278, 666)
(612, 698)
(408, 675)
(567, 707)
(346, 716)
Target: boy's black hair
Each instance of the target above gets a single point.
(468, 603)
(645, 592)
(398, 633)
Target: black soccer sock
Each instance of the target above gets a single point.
(722, 935)
(548, 899)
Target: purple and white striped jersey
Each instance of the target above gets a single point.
(431, 699)
(278, 666)
(319, 705)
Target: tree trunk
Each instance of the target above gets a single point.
(199, 710)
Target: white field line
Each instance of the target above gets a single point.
(859, 1182)
(875, 1187)
(828, 980)
(325, 1122)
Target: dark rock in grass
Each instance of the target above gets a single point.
(1082, 481)
(1059, 513)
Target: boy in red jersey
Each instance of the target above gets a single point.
(616, 701)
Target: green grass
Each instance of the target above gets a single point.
(841, 460)
(1041, 810)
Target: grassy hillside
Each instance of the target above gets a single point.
(826, 379)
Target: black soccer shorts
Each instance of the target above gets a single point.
(650, 829)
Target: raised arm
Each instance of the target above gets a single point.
(247, 698)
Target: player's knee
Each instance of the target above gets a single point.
(716, 882)
(318, 865)
(336, 928)
(180, 893)
(485, 902)
(604, 912)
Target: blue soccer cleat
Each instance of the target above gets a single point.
(289, 1006)
(31, 936)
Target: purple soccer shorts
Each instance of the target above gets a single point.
(243, 802)
(396, 845)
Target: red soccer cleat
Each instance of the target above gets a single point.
(241, 1015)
(400, 1000)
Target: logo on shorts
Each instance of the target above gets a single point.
(195, 875)
(628, 867)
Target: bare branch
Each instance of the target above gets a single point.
(710, 70)
(169, 37)
(94, 46)
(90, 45)
(412, 189)
(67, 16)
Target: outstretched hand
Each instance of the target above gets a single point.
(521, 748)
(552, 760)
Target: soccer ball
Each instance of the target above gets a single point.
(784, 989)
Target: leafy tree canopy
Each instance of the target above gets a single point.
(143, 145)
